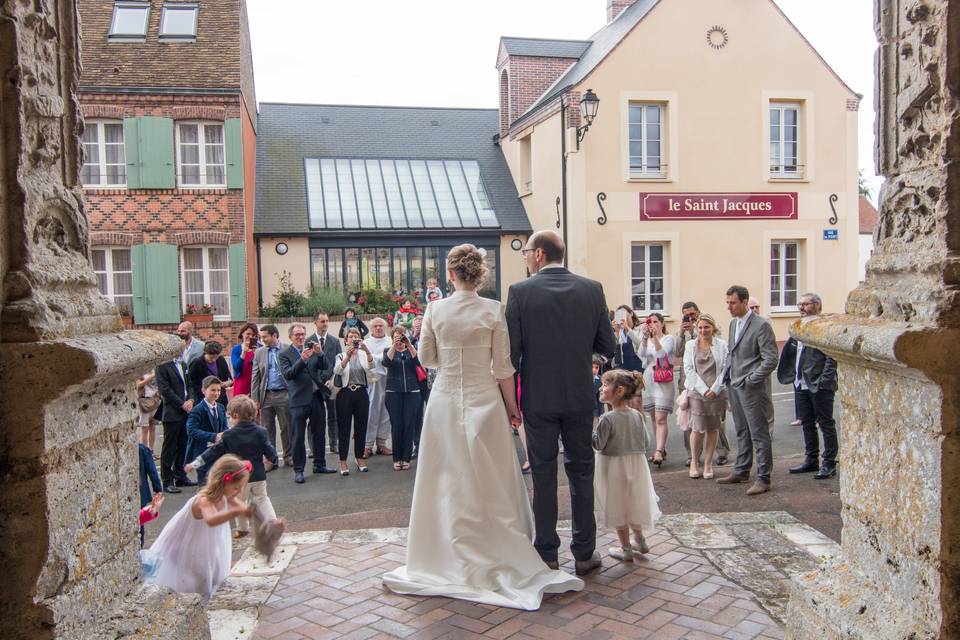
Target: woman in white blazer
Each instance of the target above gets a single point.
(352, 373)
(705, 360)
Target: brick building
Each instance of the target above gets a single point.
(168, 99)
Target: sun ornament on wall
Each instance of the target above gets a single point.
(717, 37)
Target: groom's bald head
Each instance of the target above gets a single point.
(543, 248)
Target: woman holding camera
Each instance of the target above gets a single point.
(403, 395)
(655, 350)
(241, 357)
(352, 374)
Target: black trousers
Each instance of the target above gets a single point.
(314, 416)
(332, 426)
(544, 431)
(815, 409)
(173, 451)
(352, 407)
(403, 409)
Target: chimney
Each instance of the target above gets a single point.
(615, 7)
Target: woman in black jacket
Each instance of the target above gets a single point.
(211, 364)
(403, 398)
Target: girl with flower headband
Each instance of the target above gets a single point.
(193, 550)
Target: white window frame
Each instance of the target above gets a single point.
(178, 7)
(102, 153)
(778, 167)
(664, 277)
(669, 102)
(202, 156)
(219, 314)
(781, 274)
(526, 165)
(644, 171)
(110, 272)
(130, 4)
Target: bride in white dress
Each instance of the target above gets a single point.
(471, 525)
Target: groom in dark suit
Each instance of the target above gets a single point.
(557, 321)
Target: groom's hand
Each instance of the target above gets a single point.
(516, 420)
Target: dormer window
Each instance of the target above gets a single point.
(178, 22)
(129, 21)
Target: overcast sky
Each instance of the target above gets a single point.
(442, 53)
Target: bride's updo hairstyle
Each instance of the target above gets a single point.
(466, 262)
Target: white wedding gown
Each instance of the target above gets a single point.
(471, 525)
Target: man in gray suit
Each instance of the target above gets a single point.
(269, 390)
(753, 357)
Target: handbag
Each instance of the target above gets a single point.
(148, 405)
(421, 373)
(662, 372)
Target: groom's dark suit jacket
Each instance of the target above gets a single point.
(557, 321)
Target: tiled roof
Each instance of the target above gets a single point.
(601, 44)
(868, 215)
(290, 134)
(544, 48)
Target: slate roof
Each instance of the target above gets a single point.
(544, 48)
(289, 133)
(601, 44)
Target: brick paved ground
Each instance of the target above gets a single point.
(333, 590)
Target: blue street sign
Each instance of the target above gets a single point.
(831, 234)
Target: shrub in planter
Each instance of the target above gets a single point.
(287, 301)
(376, 301)
(332, 301)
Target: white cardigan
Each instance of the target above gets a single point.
(692, 380)
(342, 368)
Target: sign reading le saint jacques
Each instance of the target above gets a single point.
(718, 206)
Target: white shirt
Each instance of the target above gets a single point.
(799, 382)
(740, 322)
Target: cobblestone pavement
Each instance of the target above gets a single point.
(707, 576)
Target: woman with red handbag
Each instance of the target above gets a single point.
(403, 395)
(658, 398)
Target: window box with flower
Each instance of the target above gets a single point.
(199, 313)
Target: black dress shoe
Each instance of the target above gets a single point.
(186, 482)
(317, 469)
(806, 467)
(826, 471)
(583, 567)
(171, 488)
(298, 477)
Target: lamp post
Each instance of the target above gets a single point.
(589, 104)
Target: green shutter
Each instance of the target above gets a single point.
(156, 284)
(131, 147)
(233, 137)
(156, 153)
(238, 281)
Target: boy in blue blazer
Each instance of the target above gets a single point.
(205, 423)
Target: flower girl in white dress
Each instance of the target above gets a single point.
(624, 492)
(193, 550)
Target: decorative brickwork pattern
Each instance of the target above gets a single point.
(178, 107)
(200, 237)
(853, 104)
(114, 239)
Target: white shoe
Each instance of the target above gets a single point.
(623, 554)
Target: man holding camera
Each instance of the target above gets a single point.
(688, 331)
(305, 369)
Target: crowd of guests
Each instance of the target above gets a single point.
(703, 377)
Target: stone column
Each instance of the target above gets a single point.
(898, 348)
(68, 457)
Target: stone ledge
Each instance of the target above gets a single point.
(156, 613)
(833, 603)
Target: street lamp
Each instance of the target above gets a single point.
(589, 104)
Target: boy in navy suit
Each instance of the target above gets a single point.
(205, 423)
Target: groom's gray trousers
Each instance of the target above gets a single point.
(544, 431)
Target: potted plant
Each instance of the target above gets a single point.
(199, 313)
(126, 318)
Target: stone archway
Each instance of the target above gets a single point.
(68, 458)
(897, 348)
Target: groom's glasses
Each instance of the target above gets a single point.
(524, 252)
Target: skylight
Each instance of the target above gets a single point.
(129, 20)
(178, 21)
(397, 193)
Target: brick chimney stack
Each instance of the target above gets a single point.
(615, 7)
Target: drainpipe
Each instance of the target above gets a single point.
(259, 279)
(563, 174)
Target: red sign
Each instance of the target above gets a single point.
(718, 206)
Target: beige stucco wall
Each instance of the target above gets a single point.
(296, 261)
(715, 141)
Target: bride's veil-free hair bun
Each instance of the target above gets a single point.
(466, 261)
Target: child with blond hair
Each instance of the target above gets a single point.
(625, 497)
(193, 550)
